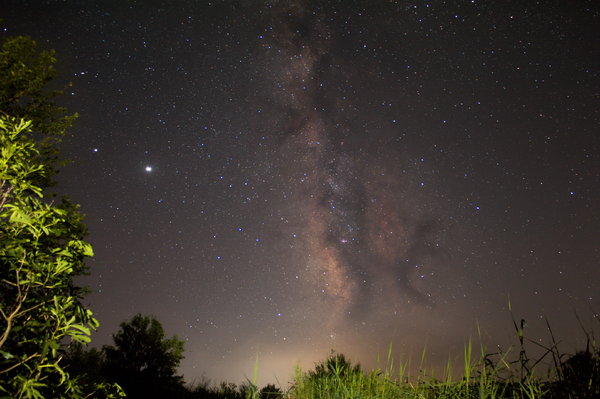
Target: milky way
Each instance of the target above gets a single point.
(347, 191)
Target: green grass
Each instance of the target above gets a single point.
(509, 374)
(500, 374)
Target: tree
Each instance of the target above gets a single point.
(24, 74)
(40, 249)
(143, 361)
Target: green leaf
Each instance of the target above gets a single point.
(19, 216)
(6, 355)
(31, 389)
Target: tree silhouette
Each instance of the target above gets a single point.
(24, 74)
(86, 364)
(143, 361)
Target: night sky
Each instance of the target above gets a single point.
(283, 178)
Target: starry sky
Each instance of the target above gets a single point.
(277, 179)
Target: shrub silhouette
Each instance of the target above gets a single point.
(335, 365)
(581, 375)
(270, 391)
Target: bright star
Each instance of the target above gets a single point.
(148, 168)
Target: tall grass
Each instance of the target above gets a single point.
(501, 374)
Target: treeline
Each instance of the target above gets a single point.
(144, 362)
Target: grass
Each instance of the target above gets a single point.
(500, 374)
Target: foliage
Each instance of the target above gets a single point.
(85, 365)
(335, 365)
(40, 250)
(581, 374)
(79, 361)
(247, 390)
(143, 361)
(270, 391)
(24, 74)
(229, 390)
